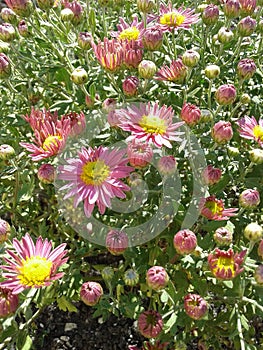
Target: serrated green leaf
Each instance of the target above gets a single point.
(169, 324)
(66, 305)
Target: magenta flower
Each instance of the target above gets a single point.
(171, 18)
(139, 153)
(250, 129)
(132, 53)
(94, 177)
(246, 68)
(150, 123)
(90, 293)
(75, 7)
(128, 31)
(32, 265)
(8, 302)
(157, 278)
(231, 8)
(185, 241)
(249, 199)
(117, 242)
(190, 113)
(152, 38)
(46, 173)
(195, 306)
(150, 324)
(211, 175)
(213, 209)
(176, 72)
(130, 86)
(225, 94)
(226, 265)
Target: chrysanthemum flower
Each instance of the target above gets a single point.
(109, 53)
(176, 72)
(50, 134)
(139, 153)
(195, 306)
(75, 7)
(22, 8)
(128, 31)
(226, 265)
(250, 129)
(213, 209)
(150, 324)
(94, 177)
(132, 53)
(150, 123)
(8, 302)
(171, 18)
(32, 265)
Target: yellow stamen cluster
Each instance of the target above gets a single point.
(258, 132)
(131, 33)
(95, 173)
(153, 125)
(35, 271)
(51, 139)
(172, 19)
(225, 263)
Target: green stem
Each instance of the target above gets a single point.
(253, 302)
(209, 94)
(174, 44)
(239, 328)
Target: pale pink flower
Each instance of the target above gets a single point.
(150, 123)
(167, 165)
(94, 177)
(250, 129)
(90, 293)
(117, 242)
(176, 72)
(213, 209)
(249, 198)
(32, 265)
(139, 153)
(195, 306)
(211, 175)
(185, 241)
(157, 277)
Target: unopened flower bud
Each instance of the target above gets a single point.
(190, 58)
(190, 113)
(152, 38)
(212, 71)
(231, 8)
(79, 76)
(253, 232)
(246, 68)
(107, 273)
(195, 306)
(147, 69)
(90, 293)
(260, 249)
(23, 29)
(233, 151)
(185, 242)
(139, 153)
(157, 278)
(45, 4)
(145, 6)
(4, 47)
(8, 302)
(117, 242)
(130, 86)
(206, 116)
(22, 8)
(89, 101)
(109, 104)
(260, 26)
(245, 99)
(67, 15)
(150, 324)
(210, 14)
(46, 173)
(247, 7)
(211, 175)
(225, 94)
(131, 277)
(256, 156)
(84, 40)
(222, 132)
(225, 35)
(8, 15)
(167, 165)
(5, 231)
(223, 237)
(246, 26)
(259, 274)
(6, 151)
(7, 32)
(249, 199)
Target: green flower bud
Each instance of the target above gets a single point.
(256, 156)
(253, 232)
(131, 277)
(212, 71)
(79, 76)
(147, 69)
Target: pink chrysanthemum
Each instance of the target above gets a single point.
(213, 209)
(226, 264)
(94, 177)
(171, 18)
(32, 265)
(109, 53)
(50, 134)
(128, 31)
(250, 129)
(150, 123)
(176, 72)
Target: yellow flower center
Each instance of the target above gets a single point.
(153, 125)
(172, 19)
(225, 263)
(214, 207)
(51, 140)
(131, 33)
(34, 271)
(258, 132)
(95, 173)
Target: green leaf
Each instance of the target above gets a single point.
(28, 343)
(228, 284)
(169, 324)
(164, 297)
(66, 305)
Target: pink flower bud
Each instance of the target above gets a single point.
(260, 249)
(246, 26)
(130, 86)
(6, 151)
(5, 67)
(117, 242)
(7, 32)
(210, 14)
(225, 94)
(253, 232)
(222, 132)
(89, 101)
(190, 113)
(5, 231)
(167, 165)
(45, 4)
(46, 173)
(195, 306)
(259, 274)
(145, 6)
(249, 199)
(8, 15)
(185, 242)
(211, 175)
(23, 29)
(8, 302)
(152, 38)
(223, 236)
(22, 8)
(157, 278)
(84, 40)
(109, 104)
(90, 293)
(190, 58)
(246, 68)
(139, 153)
(231, 8)
(247, 6)
(150, 324)
(147, 69)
